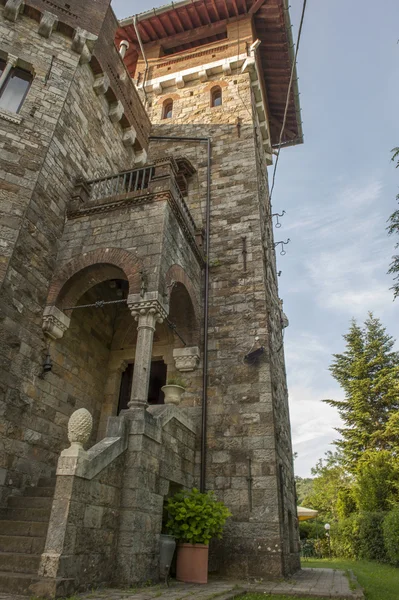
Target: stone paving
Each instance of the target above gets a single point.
(313, 583)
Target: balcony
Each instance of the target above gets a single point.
(163, 180)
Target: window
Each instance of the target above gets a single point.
(15, 86)
(167, 109)
(216, 96)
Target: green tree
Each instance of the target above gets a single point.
(377, 481)
(330, 481)
(304, 486)
(393, 228)
(368, 372)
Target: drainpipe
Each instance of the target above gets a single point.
(143, 53)
(206, 140)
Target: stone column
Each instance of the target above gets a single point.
(148, 311)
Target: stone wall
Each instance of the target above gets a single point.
(107, 513)
(160, 452)
(65, 133)
(247, 403)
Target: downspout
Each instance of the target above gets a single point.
(136, 29)
(206, 140)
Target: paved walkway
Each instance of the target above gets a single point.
(316, 583)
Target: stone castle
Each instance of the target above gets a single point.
(136, 247)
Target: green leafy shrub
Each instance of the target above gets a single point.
(345, 537)
(360, 536)
(196, 518)
(371, 536)
(391, 536)
(176, 380)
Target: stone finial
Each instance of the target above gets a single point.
(55, 322)
(80, 426)
(116, 111)
(47, 24)
(101, 84)
(12, 9)
(186, 359)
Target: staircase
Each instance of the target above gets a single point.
(23, 530)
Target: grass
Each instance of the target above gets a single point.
(268, 597)
(379, 582)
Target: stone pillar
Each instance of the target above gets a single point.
(111, 395)
(148, 311)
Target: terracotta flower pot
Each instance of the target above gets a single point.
(192, 563)
(173, 393)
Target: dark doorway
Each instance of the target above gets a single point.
(157, 381)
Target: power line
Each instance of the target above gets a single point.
(288, 97)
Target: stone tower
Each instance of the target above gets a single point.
(137, 245)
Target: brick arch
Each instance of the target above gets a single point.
(87, 270)
(177, 274)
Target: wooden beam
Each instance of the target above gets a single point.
(197, 14)
(235, 8)
(176, 15)
(189, 18)
(215, 8)
(290, 134)
(226, 9)
(255, 7)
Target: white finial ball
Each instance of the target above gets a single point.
(79, 427)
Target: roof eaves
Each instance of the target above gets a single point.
(295, 87)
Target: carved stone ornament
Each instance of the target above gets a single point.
(47, 23)
(80, 426)
(186, 359)
(101, 84)
(55, 322)
(149, 304)
(12, 9)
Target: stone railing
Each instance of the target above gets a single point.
(156, 181)
(126, 182)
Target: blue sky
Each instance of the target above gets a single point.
(338, 190)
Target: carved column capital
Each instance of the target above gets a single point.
(186, 359)
(55, 322)
(148, 309)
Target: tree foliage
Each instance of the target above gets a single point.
(330, 480)
(368, 372)
(393, 228)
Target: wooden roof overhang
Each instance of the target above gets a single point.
(191, 20)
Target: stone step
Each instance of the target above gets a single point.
(42, 492)
(19, 563)
(16, 583)
(29, 502)
(22, 544)
(23, 528)
(47, 482)
(27, 514)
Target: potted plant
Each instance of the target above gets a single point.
(194, 519)
(173, 390)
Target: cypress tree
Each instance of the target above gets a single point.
(368, 372)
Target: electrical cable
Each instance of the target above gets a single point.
(288, 97)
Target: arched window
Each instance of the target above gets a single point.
(216, 96)
(167, 112)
